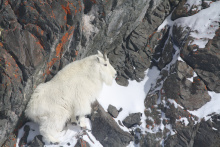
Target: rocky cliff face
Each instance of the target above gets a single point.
(39, 37)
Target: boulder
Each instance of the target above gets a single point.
(106, 130)
(132, 119)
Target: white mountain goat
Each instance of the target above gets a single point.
(69, 94)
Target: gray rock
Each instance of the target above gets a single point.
(166, 55)
(190, 95)
(106, 130)
(23, 140)
(132, 119)
(208, 133)
(36, 142)
(112, 110)
(33, 40)
(81, 143)
(206, 61)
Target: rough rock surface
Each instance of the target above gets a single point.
(205, 61)
(112, 110)
(81, 143)
(39, 37)
(37, 142)
(132, 119)
(106, 130)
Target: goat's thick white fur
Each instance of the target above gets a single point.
(69, 94)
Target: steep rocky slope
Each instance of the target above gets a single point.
(39, 37)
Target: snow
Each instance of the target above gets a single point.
(184, 120)
(180, 59)
(203, 24)
(130, 98)
(197, 3)
(211, 107)
(34, 131)
(68, 135)
(166, 22)
(88, 27)
(191, 79)
(172, 101)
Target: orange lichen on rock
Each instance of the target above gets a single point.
(6, 2)
(93, 1)
(52, 15)
(150, 36)
(66, 8)
(80, 6)
(39, 43)
(40, 31)
(76, 53)
(59, 49)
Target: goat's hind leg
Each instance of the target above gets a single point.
(51, 127)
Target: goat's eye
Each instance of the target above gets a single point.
(105, 64)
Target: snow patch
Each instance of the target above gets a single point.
(191, 79)
(203, 24)
(130, 98)
(67, 136)
(88, 27)
(184, 120)
(211, 107)
(175, 104)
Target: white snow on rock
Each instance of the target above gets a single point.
(34, 131)
(191, 3)
(172, 101)
(67, 136)
(130, 98)
(211, 107)
(184, 120)
(191, 79)
(88, 27)
(203, 24)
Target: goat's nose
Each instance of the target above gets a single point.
(115, 75)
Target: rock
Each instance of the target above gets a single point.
(106, 130)
(132, 119)
(11, 141)
(166, 55)
(113, 111)
(205, 61)
(82, 143)
(191, 95)
(36, 142)
(34, 40)
(183, 137)
(23, 140)
(208, 133)
(37, 39)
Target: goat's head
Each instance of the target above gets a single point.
(107, 72)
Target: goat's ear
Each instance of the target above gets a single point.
(100, 54)
(98, 60)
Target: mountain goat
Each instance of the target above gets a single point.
(69, 94)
